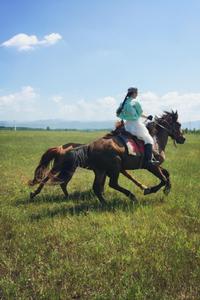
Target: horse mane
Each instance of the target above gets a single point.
(167, 117)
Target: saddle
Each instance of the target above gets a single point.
(133, 145)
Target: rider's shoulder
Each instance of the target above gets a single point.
(129, 100)
(136, 102)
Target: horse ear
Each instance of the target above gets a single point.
(174, 115)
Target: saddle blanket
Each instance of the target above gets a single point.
(133, 147)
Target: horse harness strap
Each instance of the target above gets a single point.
(171, 133)
(81, 156)
(162, 126)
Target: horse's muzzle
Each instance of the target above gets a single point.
(180, 140)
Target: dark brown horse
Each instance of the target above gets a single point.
(107, 156)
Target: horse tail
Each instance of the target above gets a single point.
(50, 155)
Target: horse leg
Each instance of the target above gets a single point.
(113, 183)
(65, 183)
(38, 190)
(136, 182)
(156, 170)
(98, 185)
(64, 189)
(103, 182)
(168, 184)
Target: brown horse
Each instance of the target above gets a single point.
(107, 156)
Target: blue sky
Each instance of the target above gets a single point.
(103, 48)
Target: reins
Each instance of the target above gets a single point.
(161, 126)
(166, 129)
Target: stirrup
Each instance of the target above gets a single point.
(149, 163)
(153, 162)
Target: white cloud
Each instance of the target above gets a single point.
(97, 110)
(24, 42)
(188, 106)
(51, 39)
(19, 102)
(57, 99)
(24, 105)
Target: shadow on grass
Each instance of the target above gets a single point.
(83, 209)
(83, 203)
(88, 206)
(76, 196)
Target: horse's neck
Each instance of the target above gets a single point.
(162, 139)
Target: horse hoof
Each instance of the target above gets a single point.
(166, 191)
(103, 202)
(147, 191)
(133, 199)
(103, 205)
(32, 195)
(144, 187)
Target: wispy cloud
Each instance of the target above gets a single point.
(97, 110)
(24, 42)
(188, 106)
(57, 99)
(27, 104)
(19, 102)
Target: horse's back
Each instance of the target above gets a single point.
(108, 151)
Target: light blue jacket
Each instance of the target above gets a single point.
(131, 111)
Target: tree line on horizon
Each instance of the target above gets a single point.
(185, 130)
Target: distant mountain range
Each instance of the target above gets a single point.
(62, 124)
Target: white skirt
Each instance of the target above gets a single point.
(139, 129)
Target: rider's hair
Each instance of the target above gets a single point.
(130, 92)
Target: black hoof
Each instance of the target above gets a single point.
(166, 190)
(133, 198)
(103, 203)
(32, 195)
(147, 191)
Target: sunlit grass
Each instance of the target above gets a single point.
(52, 248)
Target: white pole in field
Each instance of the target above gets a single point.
(15, 127)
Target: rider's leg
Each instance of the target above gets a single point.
(139, 129)
(148, 155)
(148, 146)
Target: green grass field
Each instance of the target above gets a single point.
(52, 248)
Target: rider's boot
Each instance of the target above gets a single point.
(148, 161)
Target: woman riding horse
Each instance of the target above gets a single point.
(106, 156)
(131, 111)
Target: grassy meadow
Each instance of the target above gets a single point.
(52, 248)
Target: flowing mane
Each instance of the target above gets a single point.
(167, 117)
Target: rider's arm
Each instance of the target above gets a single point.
(150, 117)
(144, 116)
(138, 109)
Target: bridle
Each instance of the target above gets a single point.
(170, 132)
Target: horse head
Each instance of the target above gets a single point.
(170, 121)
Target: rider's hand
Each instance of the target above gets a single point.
(150, 117)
